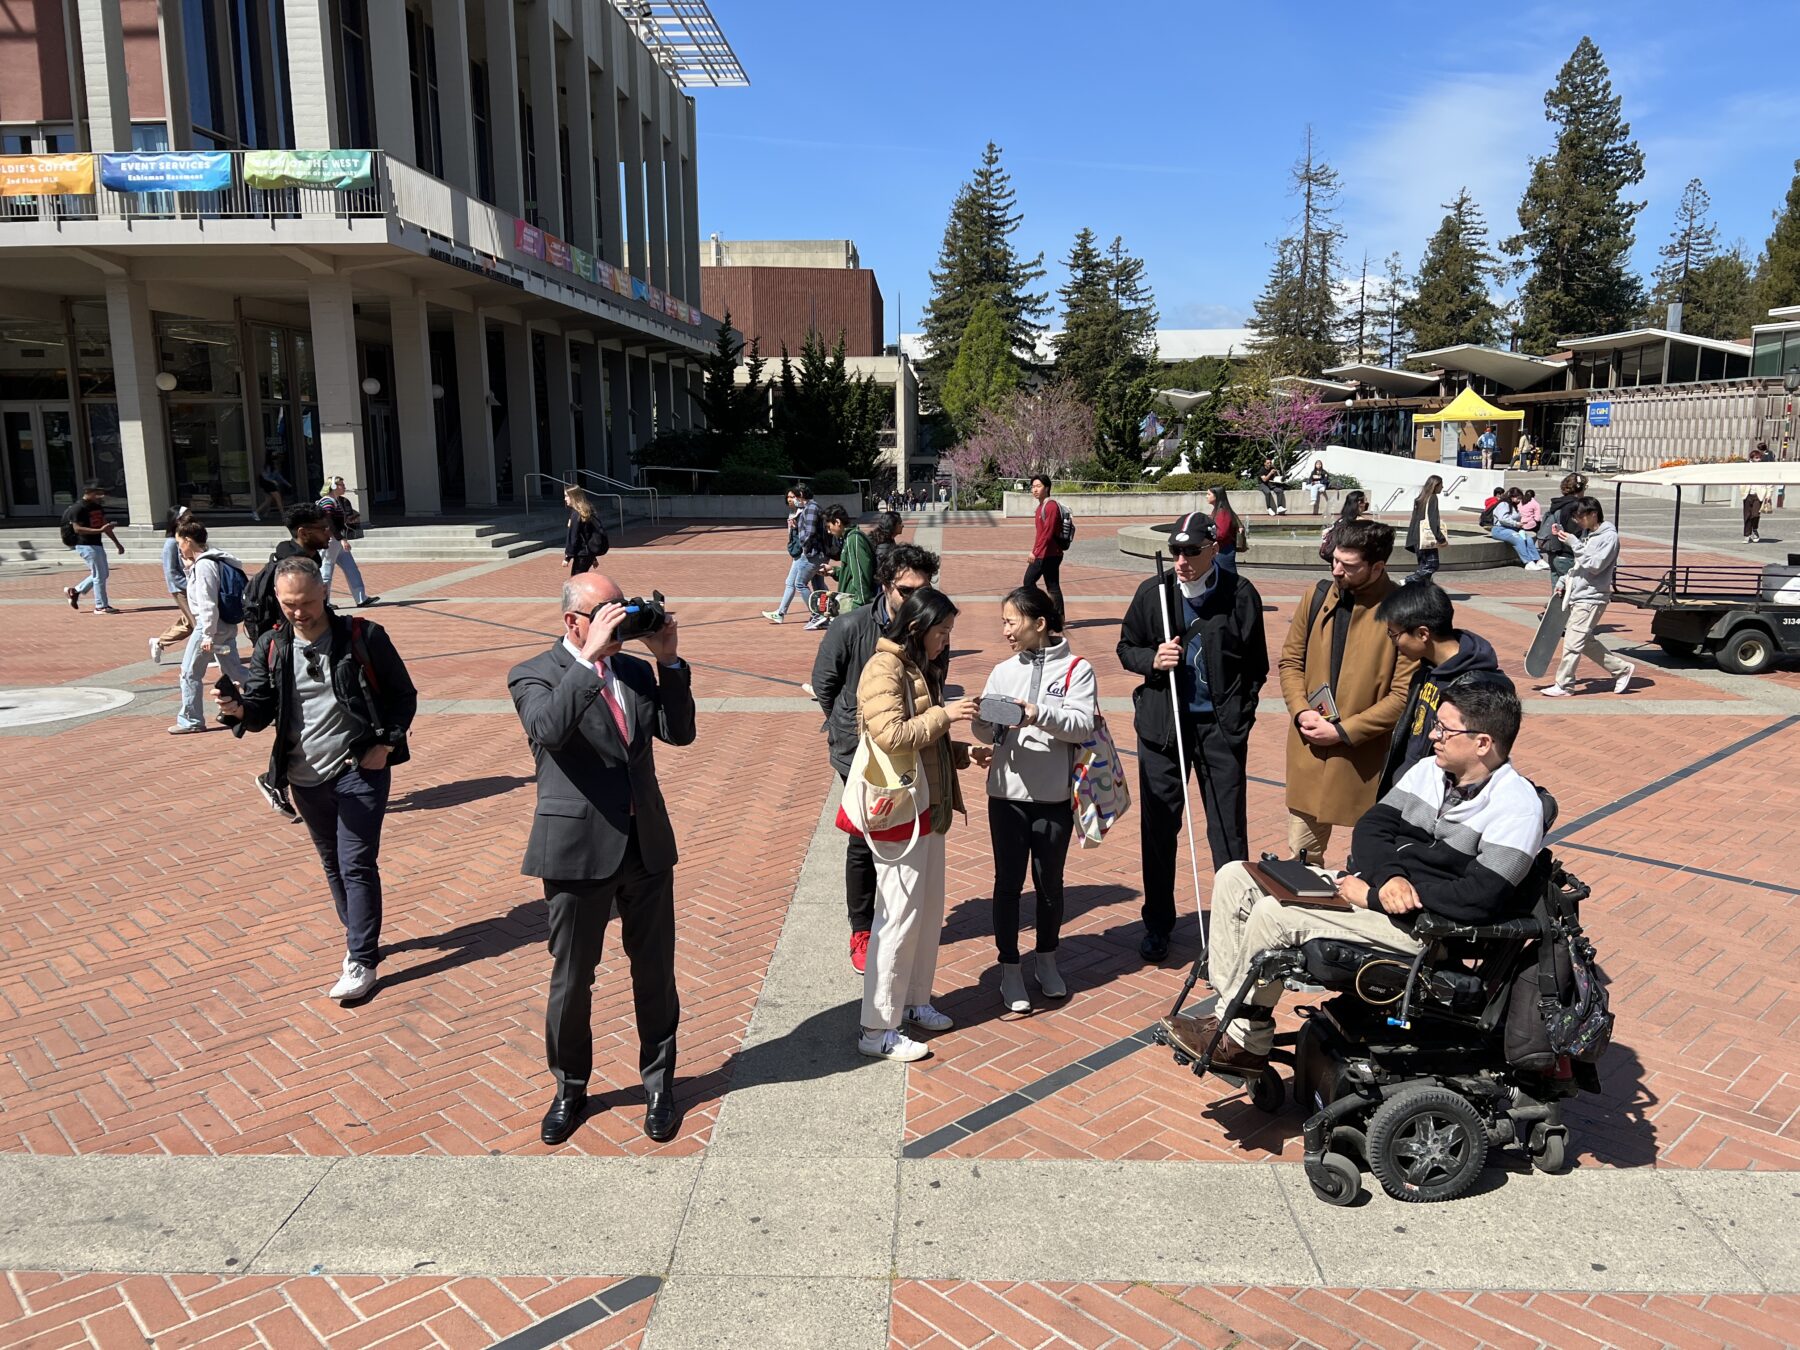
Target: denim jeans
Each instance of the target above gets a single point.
(193, 673)
(336, 556)
(799, 577)
(94, 555)
(1523, 544)
(344, 817)
(1428, 564)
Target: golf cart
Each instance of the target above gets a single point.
(1744, 615)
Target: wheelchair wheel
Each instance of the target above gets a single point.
(1335, 1179)
(1426, 1144)
(1267, 1093)
(1549, 1153)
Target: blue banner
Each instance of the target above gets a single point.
(166, 171)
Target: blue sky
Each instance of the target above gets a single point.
(1174, 124)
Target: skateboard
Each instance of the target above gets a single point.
(1548, 641)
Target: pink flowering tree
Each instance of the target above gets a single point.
(1041, 432)
(1282, 425)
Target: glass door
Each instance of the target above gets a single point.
(38, 444)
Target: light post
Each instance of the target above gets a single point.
(1790, 381)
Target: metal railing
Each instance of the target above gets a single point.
(236, 201)
(655, 496)
(565, 483)
(1392, 497)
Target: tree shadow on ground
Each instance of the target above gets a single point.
(442, 795)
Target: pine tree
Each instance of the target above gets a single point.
(1132, 301)
(1451, 302)
(986, 371)
(1362, 323)
(827, 418)
(1692, 244)
(977, 262)
(1778, 270)
(1295, 317)
(1576, 230)
(1393, 299)
(1719, 299)
(1085, 347)
(733, 411)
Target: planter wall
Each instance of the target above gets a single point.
(711, 506)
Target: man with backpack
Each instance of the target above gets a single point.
(340, 701)
(86, 529)
(309, 535)
(1216, 655)
(854, 567)
(216, 583)
(807, 545)
(1047, 544)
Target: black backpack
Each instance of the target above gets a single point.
(1486, 520)
(261, 611)
(1559, 1005)
(69, 536)
(1065, 526)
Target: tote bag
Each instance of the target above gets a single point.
(886, 796)
(1097, 790)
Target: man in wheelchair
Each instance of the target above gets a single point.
(1456, 837)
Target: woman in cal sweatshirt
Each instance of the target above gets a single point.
(1030, 817)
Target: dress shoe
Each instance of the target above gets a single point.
(659, 1116)
(1190, 1033)
(562, 1117)
(1154, 947)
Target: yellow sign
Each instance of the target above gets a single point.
(31, 175)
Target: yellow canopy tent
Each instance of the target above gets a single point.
(1470, 406)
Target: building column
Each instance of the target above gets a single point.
(690, 208)
(605, 114)
(631, 151)
(560, 396)
(680, 414)
(619, 444)
(540, 48)
(143, 428)
(656, 200)
(696, 387)
(341, 444)
(473, 381)
(520, 408)
(102, 42)
(504, 130)
(638, 368)
(414, 409)
(393, 84)
(450, 35)
(312, 50)
(673, 215)
(591, 453)
(172, 46)
(581, 131)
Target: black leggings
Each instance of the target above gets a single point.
(1049, 571)
(1038, 833)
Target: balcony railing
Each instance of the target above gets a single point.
(236, 201)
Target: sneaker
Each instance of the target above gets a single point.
(156, 650)
(773, 616)
(1555, 691)
(879, 1044)
(1281, 510)
(927, 1018)
(355, 981)
(74, 597)
(180, 729)
(107, 609)
(277, 798)
(859, 950)
(814, 624)
(368, 600)
(807, 689)
(1623, 683)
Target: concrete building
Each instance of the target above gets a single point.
(432, 246)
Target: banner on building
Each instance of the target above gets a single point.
(623, 282)
(166, 171)
(528, 238)
(640, 289)
(30, 175)
(583, 263)
(603, 274)
(556, 252)
(339, 169)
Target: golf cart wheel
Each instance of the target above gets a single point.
(1749, 651)
(1267, 1093)
(1679, 647)
(1335, 1179)
(1426, 1144)
(1548, 1150)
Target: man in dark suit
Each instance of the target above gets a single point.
(601, 838)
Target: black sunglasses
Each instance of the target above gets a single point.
(315, 665)
(1179, 551)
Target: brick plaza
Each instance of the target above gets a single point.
(198, 1148)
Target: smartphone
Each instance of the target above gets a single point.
(1001, 711)
(225, 688)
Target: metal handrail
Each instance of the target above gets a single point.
(565, 483)
(655, 496)
(1392, 497)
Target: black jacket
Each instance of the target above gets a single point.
(1559, 512)
(382, 706)
(1237, 654)
(848, 645)
(590, 785)
(1411, 740)
(585, 538)
(1415, 536)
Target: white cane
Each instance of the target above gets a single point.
(1187, 809)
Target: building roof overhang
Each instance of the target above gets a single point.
(1512, 370)
(1637, 337)
(1385, 378)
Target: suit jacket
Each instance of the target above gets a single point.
(588, 783)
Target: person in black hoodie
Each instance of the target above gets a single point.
(1561, 511)
(1219, 660)
(1421, 623)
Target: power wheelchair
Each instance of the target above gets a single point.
(1405, 1068)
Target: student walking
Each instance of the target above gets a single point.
(176, 579)
(1554, 548)
(1753, 509)
(216, 584)
(86, 529)
(806, 547)
(585, 541)
(1030, 815)
(1228, 528)
(902, 709)
(1425, 532)
(1587, 590)
(341, 512)
(1046, 544)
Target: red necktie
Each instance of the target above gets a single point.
(613, 706)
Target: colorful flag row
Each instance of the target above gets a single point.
(559, 253)
(183, 171)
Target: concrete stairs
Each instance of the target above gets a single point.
(442, 539)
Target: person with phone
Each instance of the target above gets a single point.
(211, 580)
(1038, 705)
(901, 707)
(341, 703)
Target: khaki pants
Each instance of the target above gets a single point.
(1579, 641)
(909, 921)
(1309, 833)
(1246, 921)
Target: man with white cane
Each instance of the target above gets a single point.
(1204, 624)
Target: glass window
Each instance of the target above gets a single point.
(359, 113)
(206, 101)
(272, 378)
(211, 457)
(1712, 364)
(1767, 360)
(103, 441)
(1650, 364)
(34, 362)
(484, 146)
(203, 357)
(1791, 356)
(303, 367)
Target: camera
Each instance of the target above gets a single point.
(642, 617)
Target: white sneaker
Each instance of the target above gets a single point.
(927, 1018)
(356, 980)
(156, 651)
(1281, 510)
(879, 1044)
(1623, 683)
(807, 689)
(1555, 691)
(772, 615)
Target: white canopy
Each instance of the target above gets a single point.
(1774, 473)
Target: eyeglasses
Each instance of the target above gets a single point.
(1178, 551)
(1440, 732)
(315, 664)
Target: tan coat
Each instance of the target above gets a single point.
(1337, 783)
(881, 712)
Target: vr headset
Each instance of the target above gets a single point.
(642, 617)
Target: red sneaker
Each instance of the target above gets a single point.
(859, 950)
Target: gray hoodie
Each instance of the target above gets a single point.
(1031, 764)
(203, 593)
(1590, 581)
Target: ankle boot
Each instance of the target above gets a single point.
(1049, 979)
(1012, 988)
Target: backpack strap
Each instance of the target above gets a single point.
(359, 648)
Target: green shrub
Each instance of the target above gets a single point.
(1343, 482)
(835, 482)
(1198, 482)
(755, 469)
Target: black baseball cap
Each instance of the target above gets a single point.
(1194, 530)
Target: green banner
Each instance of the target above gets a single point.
(309, 168)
